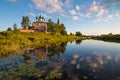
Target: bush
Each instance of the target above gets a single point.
(78, 34)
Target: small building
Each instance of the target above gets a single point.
(40, 25)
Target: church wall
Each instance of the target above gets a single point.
(22, 30)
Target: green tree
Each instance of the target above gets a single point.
(58, 21)
(30, 27)
(110, 34)
(71, 34)
(63, 32)
(62, 29)
(51, 25)
(25, 22)
(56, 27)
(78, 33)
(15, 27)
(9, 29)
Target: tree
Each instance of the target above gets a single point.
(56, 27)
(9, 29)
(30, 27)
(51, 25)
(110, 34)
(78, 33)
(62, 29)
(58, 21)
(25, 22)
(71, 34)
(63, 32)
(15, 27)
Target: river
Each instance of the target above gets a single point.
(77, 60)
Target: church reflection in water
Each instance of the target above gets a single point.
(41, 53)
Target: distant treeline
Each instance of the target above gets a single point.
(108, 37)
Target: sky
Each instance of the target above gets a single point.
(91, 17)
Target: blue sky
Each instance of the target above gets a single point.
(88, 16)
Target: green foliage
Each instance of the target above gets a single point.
(28, 71)
(2, 37)
(85, 77)
(56, 28)
(56, 49)
(63, 32)
(78, 41)
(71, 34)
(78, 34)
(24, 71)
(110, 34)
(31, 39)
(50, 25)
(55, 74)
(58, 21)
(15, 27)
(108, 37)
(25, 22)
(9, 29)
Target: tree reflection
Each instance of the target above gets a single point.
(56, 49)
(78, 41)
(43, 52)
(26, 56)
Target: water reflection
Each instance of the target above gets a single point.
(64, 61)
(56, 49)
(78, 41)
(98, 66)
(41, 53)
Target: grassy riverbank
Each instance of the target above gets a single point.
(15, 41)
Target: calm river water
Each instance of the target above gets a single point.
(78, 60)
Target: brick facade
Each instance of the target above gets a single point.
(39, 26)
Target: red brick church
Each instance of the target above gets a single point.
(38, 26)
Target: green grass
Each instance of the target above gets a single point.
(15, 42)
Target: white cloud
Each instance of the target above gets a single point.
(75, 18)
(106, 18)
(80, 14)
(72, 12)
(88, 14)
(56, 0)
(102, 11)
(109, 17)
(75, 13)
(50, 6)
(43, 14)
(53, 6)
(96, 9)
(46, 16)
(68, 3)
(117, 14)
(77, 8)
(32, 14)
(99, 19)
(13, 0)
(93, 9)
